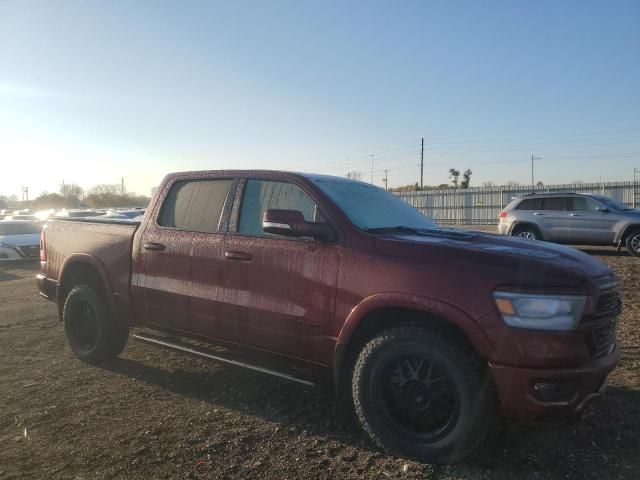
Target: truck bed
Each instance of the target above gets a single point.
(107, 242)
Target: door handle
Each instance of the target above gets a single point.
(241, 256)
(575, 215)
(154, 246)
(538, 213)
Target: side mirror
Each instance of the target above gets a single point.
(291, 223)
(603, 210)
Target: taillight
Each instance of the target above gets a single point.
(503, 214)
(43, 255)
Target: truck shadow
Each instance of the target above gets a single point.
(17, 269)
(604, 251)
(511, 449)
(299, 408)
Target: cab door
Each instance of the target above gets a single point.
(176, 271)
(278, 292)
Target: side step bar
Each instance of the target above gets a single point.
(198, 353)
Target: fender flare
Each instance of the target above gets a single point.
(627, 229)
(86, 259)
(516, 224)
(457, 317)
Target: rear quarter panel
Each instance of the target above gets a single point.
(106, 246)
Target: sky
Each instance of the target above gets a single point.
(93, 91)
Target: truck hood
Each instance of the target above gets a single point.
(507, 260)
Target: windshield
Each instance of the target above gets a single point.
(19, 228)
(611, 203)
(370, 207)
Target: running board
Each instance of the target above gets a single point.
(198, 353)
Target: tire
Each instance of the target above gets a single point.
(525, 231)
(633, 243)
(93, 334)
(440, 423)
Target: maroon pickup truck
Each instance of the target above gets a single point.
(429, 331)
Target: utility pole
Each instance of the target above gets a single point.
(532, 159)
(385, 180)
(122, 187)
(636, 187)
(372, 169)
(421, 163)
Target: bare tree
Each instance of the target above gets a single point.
(488, 184)
(354, 175)
(71, 190)
(512, 183)
(105, 189)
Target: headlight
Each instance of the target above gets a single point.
(541, 312)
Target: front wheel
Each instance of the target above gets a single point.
(633, 243)
(92, 333)
(420, 395)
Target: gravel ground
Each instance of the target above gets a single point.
(158, 414)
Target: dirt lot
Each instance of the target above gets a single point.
(156, 414)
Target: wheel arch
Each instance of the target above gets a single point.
(627, 230)
(379, 312)
(516, 225)
(83, 268)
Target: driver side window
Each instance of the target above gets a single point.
(260, 195)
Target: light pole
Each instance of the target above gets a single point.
(371, 169)
(532, 159)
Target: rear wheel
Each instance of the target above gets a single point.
(93, 335)
(525, 231)
(633, 243)
(419, 395)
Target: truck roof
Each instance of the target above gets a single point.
(249, 173)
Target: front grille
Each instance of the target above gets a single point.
(603, 338)
(608, 303)
(601, 333)
(30, 251)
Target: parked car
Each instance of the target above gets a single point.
(78, 213)
(572, 218)
(429, 331)
(19, 240)
(134, 214)
(23, 217)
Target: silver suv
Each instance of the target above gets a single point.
(572, 218)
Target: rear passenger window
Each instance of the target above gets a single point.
(554, 203)
(195, 205)
(530, 204)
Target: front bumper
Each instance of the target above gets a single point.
(530, 395)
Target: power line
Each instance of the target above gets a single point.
(456, 142)
(519, 160)
(446, 151)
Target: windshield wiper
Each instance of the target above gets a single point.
(402, 228)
